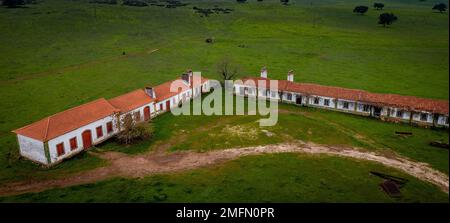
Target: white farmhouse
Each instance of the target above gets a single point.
(60, 136)
(64, 134)
(388, 107)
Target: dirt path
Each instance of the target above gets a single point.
(123, 165)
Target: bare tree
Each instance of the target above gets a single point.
(131, 132)
(227, 70)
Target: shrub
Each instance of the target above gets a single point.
(134, 3)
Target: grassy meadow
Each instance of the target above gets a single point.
(300, 178)
(61, 53)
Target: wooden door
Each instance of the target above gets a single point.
(87, 139)
(168, 105)
(146, 113)
(298, 100)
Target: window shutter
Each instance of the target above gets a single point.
(60, 149)
(99, 132)
(109, 127)
(73, 143)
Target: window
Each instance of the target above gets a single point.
(60, 149)
(73, 143)
(316, 101)
(423, 117)
(241, 90)
(366, 108)
(345, 105)
(289, 96)
(99, 131)
(399, 113)
(137, 116)
(326, 102)
(109, 127)
(250, 90)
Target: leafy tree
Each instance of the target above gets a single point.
(13, 3)
(441, 7)
(360, 9)
(378, 6)
(387, 19)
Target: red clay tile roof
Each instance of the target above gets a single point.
(394, 100)
(68, 120)
(131, 100)
(196, 84)
(162, 91)
(256, 80)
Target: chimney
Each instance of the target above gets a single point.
(290, 76)
(264, 72)
(150, 91)
(186, 78)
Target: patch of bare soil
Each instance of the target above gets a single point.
(141, 165)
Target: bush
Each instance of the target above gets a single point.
(110, 2)
(134, 3)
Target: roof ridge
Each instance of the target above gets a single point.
(125, 94)
(69, 109)
(87, 103)
(46, 128)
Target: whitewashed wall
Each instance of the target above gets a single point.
(406, 114)
(443, 120)
(321, 101)
(416, 117)
(32, 149)
(360, 108)
(351, 105)
(77, 133)
(140, 110)
(173, 100)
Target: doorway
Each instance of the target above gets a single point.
(376, 111)
(298, 100)
(146, 113)
(87, 139)
(168, 105)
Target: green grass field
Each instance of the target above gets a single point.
(300, 178)
(57, 54)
